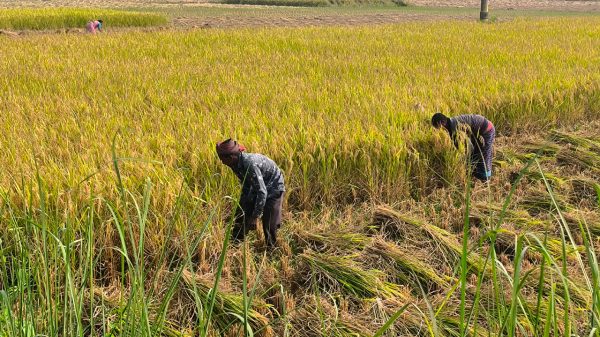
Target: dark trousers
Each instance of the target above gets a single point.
(482, 154)
(271, 220)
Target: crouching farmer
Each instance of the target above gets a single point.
(262, 190)
(94, 26)
(480, 131)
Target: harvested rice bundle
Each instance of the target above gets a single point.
(553, 179)
(343, 272)
(314, 320)
(543, 148)
(586, 219)
(576, 140)
(578, 293)
(584, 159)
(506, 244)
(538, 202)
(489, 214)
(228, 307)
(586, 189)
(447, 241)
(332, 241)
(409, 264)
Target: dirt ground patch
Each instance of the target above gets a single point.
(304, 20)
(516, 4)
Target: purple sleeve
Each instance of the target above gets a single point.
(475, 122)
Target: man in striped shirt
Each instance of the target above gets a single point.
(481, 133)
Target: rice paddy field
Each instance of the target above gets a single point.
(114, 209)
(49, 18)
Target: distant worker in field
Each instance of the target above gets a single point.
(94, 26)
(480, 131)
(262, 190)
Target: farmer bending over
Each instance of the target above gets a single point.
(94, 26)
(262, 190)
(481, 132)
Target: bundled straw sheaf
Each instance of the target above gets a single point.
(228, 307)
(349, 276)
(410, 265)
(448, 241)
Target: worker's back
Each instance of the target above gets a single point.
(269, 171)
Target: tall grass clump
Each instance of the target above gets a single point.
(54, 18)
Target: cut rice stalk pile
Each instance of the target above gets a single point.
(409, 264)
(448, 241)
(588, 220)
(506, 243)
(542, 148)
(576, 140)
(584, 159)
(324, 320)
(489, 213)
(228, 307)
(346, 274)
(332, 241)
(538, 202)
(553, 179)
(577, 292)
(585, 184)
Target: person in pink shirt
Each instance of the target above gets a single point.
(94, 26)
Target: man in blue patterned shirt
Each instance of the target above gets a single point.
(262, 190)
